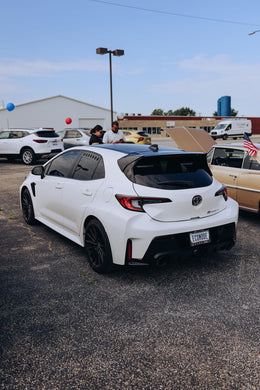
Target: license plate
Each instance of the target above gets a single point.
(198, 238)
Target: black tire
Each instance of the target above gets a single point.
(27, 156)
(225, 136)
(98, 248)
(27, 207)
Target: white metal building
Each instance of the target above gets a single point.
(52, 112)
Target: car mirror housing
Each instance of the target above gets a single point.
(38, 171)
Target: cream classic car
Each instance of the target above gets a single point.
(230, 164)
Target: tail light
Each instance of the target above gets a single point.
(40, 141)
(140, 139)
(135, 203)
(222, 192)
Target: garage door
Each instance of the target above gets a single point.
(89, 123)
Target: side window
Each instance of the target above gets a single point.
(228, 157)
(251, 163)
(63, 164)
(16, 134)
(4, 134)
(210, 155)
(219, 156)
(89, 167)
(73, 134)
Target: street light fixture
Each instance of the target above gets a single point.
(253, 32)
(117, 53)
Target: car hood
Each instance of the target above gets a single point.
(192, 140)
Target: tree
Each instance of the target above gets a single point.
(184, 111)
(157, 111)
(233, 112)
(169, 113)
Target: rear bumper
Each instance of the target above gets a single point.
(222, 238)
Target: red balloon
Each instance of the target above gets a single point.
(68, 121)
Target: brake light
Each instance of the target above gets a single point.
(140, 139)
(135, 203)
(40, 141)
(222, 191)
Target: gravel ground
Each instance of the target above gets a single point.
(193, 324)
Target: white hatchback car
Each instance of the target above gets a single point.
(130, 204)
(29, 144)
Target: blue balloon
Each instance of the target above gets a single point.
(10, 106)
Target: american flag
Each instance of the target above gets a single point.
(252, 149)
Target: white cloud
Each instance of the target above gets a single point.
(42, 68)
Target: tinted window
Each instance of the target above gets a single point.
(63, 164)
(46, 134)
(251, 163)
(228, 157)
(89, 167)
(171, 172)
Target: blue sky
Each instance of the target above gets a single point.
(177, 53)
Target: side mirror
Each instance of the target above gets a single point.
(39, 171)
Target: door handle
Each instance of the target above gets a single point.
(234, 176)
(87, 192)
(59, 186)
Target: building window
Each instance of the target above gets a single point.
(152, 130)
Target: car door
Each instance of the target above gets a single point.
(49, 189)
(4, 135)
(73, 138)
(79, 191)
(11, 142)
(248, 186)
(225, 164)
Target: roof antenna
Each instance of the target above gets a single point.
(154, 147)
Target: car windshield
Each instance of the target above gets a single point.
(220, 126)
(178, 171)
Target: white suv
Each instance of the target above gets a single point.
(29, 144)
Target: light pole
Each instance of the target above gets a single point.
(117, 53)
(253, 32)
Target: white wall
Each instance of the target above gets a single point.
(52, 112)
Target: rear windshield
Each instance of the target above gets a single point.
(46, 134)
(142, 134)
(179, 171)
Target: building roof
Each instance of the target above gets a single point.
(60, 96)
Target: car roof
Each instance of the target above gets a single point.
(235, 145)
(30, 130)
(134, 149)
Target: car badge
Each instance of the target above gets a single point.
(196, 200)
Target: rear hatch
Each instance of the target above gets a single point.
(49, 137)
(184, 180)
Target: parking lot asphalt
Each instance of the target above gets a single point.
(193, 324)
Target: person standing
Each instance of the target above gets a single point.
(114, 136)
(96, 135)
